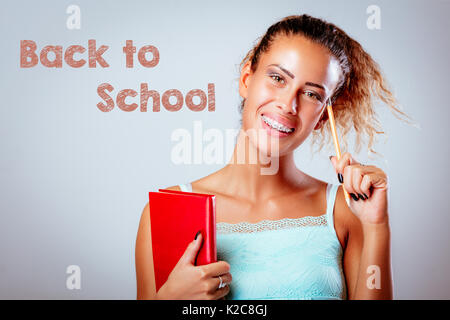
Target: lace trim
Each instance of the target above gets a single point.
(265, 225)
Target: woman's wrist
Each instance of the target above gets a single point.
(379, 229)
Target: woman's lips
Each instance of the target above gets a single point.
(274, 132)
(274, 116)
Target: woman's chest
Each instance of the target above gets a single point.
(231, 210)
(296, 262)
(234, 211)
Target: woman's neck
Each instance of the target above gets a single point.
(259, 179)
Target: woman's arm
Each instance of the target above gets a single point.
(367, 262)
(145, 279)
(374, 278)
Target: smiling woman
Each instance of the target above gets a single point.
(296, 75)
(285, 234)
(328, 54)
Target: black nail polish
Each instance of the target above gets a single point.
(354, 197)
(196, 235)
(340, 178)
(361, 196)
(366, 196)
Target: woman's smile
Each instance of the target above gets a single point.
(277, 126)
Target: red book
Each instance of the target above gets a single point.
(175, 218)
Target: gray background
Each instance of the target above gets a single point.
(74, 180)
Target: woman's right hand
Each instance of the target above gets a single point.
(190, 282)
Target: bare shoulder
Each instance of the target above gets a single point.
(176, 188)
(309, 184)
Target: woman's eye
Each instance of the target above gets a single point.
(313, 95)
(276, 77)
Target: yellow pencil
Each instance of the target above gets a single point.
(336, 142)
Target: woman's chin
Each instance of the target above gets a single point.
(267, 145)
(270, 150)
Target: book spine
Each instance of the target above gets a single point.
(212, 229)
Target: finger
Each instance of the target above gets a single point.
(219, 293)
(216, 268)
(226, 279)
(373, 180)
(366, 185)
(344, 161)
(348, 179)
(192, 249)
(357, 176)
(214, 282)
(333, 160)
(353, 175)
(352, 160)
(341, 163)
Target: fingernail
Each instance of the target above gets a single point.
(330, 157)
(366, 196)
(196, 235)
(361, 196)
(340, 178)
(354, 197)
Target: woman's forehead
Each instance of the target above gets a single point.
(305, 59)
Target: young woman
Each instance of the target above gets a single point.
(287, 235)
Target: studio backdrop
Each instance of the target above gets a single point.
(96, 95)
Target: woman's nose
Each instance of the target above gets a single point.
(289, 106)
(294, 106)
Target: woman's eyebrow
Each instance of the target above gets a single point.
(283, 69)
(311, 84)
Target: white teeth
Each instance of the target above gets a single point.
(276, 125)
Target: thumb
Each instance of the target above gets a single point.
(192, 249)
(333, 160)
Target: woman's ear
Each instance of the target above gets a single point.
(244, 79)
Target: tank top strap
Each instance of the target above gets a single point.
(331, 199)
(186, 187)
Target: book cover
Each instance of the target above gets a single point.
(175, 218)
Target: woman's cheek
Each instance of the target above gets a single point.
(265, 94)
(308, 122)
(314, 117)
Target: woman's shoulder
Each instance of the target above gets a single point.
(175, 187)
(308, 184)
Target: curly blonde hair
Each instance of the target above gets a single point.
(360, 84)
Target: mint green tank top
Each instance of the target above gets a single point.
(283, 259)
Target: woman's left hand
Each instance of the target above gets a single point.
(367, 187)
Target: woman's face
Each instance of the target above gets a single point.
(288, 91)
